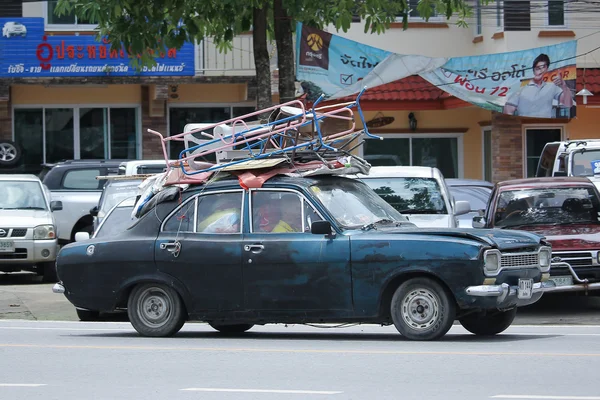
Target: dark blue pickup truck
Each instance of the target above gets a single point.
(321, 249)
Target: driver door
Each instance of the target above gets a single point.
(287, 270)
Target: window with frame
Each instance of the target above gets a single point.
(220, 213)
(517, 15)
(438, 152)
(66, 19)
(183, 219)
(414, 14)
(275, 211)
(82, 179)
(535, 140)
(556, 12)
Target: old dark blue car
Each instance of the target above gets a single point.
(320, 249)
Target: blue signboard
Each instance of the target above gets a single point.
(26, 51)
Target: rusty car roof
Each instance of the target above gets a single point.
(556, 181)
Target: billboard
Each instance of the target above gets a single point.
(537, 82)
(27, 51)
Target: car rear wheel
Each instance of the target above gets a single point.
(488, 324)
(155, 310)
(237, 328)
(422, 309)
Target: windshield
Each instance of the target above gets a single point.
(582, 161)
(555, 206)
(354, 205)
(22, 195)
(410, 195)
(114, 194)
(116, 222)
(478, 196)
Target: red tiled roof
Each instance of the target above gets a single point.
(415, 88)
(592, 80)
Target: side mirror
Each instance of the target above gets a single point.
(81, 236)
(94, 211)
(462, 207)
(478, 222)
(56, 205)
(320, 228)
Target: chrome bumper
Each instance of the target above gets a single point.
(58, 288)
(504, 290)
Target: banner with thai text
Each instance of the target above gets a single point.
(27, 51)
(537, 82)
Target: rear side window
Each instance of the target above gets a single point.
(82, 179)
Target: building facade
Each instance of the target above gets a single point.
(55, 105)
(465, 141)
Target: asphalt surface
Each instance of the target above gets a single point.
(108, 360)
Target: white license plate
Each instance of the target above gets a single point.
(524, 290)
(7, 246)
(562, 280)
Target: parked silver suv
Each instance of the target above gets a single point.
(27, 227)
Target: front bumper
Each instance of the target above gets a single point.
(506, 294)
(29, 251)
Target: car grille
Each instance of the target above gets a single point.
(519, 260)
(576, 259)
(19, 254)
(16, 232)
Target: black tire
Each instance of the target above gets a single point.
(155, 310)
(488, 324)
(87, 315)
(10, 153)
(238, 328)
(422, 309)
(48, 272)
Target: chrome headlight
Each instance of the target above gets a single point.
(41, 232)
(545, 257)
(491, 262)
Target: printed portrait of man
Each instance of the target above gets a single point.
(536, 98)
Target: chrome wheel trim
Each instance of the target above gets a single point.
(8, 152)
(420, 309)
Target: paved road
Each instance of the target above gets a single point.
(23, 296)
(104, 360)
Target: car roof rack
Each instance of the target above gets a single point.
(292, 134)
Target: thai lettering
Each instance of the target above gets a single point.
(102, 51)
(91, 51)
(515, 73)
(464, 82)
(44, 53)
(16, 68)
(364, 63)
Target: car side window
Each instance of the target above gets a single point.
(183, 219)
(220, 213)
(280, 212)
(82, 179)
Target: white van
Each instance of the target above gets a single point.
(420, 193)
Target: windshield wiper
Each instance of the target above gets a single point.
(373, 224)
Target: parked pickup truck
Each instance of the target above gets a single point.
(566, 211)
(74, 184)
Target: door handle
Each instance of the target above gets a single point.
(255, 248)
(172, 247)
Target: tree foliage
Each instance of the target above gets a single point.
(148, 28)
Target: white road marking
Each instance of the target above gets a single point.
(540, 397)
(22, 384)
(262, 391)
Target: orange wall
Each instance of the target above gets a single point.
(431, 121)
(209, 93)
(63, 94)
(586, 125)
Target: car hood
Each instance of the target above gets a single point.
(24, 218)
(568, 237)
(501, 239)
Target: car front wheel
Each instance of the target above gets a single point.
(422, 309)
(488, 324)
(155, 310)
